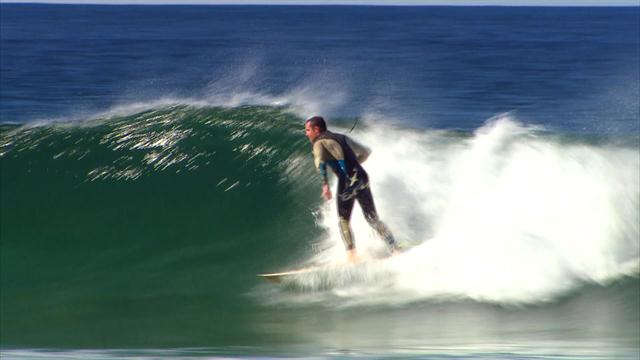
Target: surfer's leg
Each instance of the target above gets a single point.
(345, 207)
(365, 199)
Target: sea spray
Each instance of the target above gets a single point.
(512, 214)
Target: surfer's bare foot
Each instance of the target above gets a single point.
(352, 256)
(397, 249)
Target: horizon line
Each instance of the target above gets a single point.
(306, 4)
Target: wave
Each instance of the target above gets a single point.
(178, 196)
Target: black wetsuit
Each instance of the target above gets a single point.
(331, 148)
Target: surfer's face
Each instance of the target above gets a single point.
(312, 132)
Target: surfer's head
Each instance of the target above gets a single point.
(314, 126)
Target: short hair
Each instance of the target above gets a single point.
(317, 121)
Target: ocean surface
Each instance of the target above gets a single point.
(153, 162)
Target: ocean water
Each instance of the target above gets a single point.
(153, 161)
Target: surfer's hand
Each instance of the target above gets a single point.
(326, 192)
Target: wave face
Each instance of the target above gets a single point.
(175, 205)
(166, 215)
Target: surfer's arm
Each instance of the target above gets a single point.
(319, 158)
(323, 172)
(326, 191)
(362, 152)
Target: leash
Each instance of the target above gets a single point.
(354, 125)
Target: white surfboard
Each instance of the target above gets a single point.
(278, 277)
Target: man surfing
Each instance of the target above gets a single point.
(344, 156)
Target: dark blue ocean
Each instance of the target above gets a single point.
(152, 162)
(575, 69)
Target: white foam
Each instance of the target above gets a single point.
(303, 101)
(509, 215)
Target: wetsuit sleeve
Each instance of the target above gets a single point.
(362, 152)
(320, 159)
(319, 154)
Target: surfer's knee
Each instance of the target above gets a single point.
(346, 234)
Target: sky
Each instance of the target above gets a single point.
(351, 2)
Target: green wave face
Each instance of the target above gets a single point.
(121, 230)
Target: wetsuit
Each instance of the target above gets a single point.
(343, 155)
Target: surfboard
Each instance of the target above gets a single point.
(278, 277)
(320, 272)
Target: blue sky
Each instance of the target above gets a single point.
(357, 2)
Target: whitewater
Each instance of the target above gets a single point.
(511, 214)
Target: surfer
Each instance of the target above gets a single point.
(344, 156)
